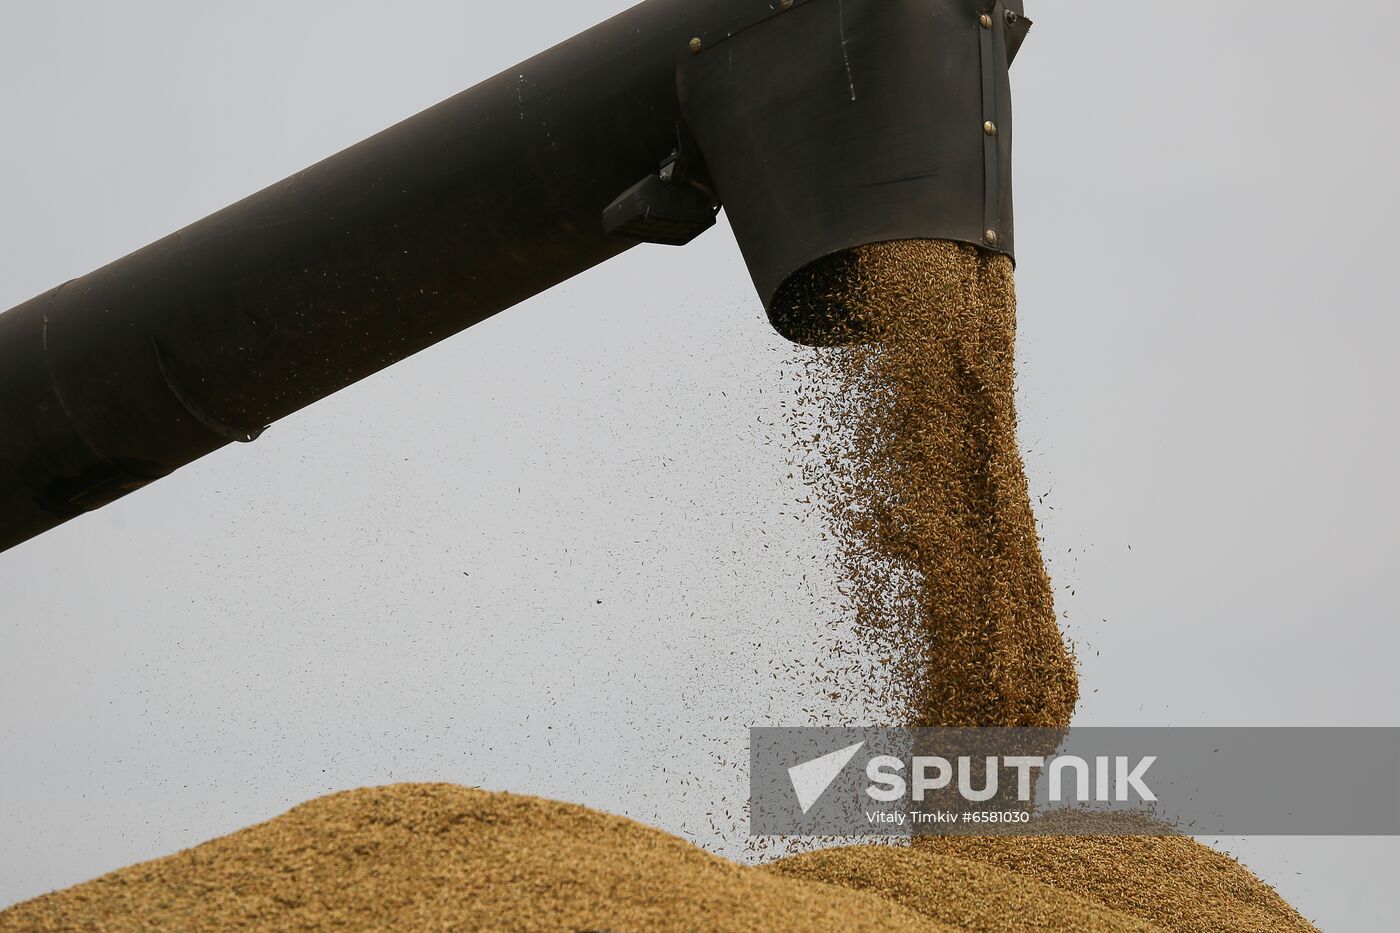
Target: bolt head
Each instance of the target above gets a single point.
(695, 44)
(991, 237)
(989, 128)
(786, 4)
(1012, 17)
(985, 20)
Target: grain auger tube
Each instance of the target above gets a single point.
(818, 125)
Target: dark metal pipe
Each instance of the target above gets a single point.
(113, 380)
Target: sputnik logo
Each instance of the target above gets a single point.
(811, 778)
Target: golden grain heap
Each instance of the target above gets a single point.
(439, 857)
(909, 438)
(909, 434)
(1172, 881)
(419, 857)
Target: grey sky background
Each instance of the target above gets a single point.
(559, 553)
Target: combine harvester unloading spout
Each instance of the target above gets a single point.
(818, 125)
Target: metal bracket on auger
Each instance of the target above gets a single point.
(671, 206)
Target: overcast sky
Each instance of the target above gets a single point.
(557, 554)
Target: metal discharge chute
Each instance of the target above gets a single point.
(818, 125)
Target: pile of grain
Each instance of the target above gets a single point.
(909, 433)
(440, 857)
(912, 443)
(964, 894)
(1172, 881)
